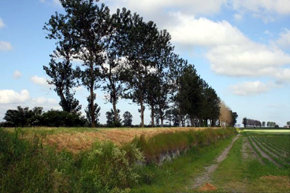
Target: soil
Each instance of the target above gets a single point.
(205, 177)
(207, 187)
(248, 151)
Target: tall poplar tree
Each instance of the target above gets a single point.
(60, 69)
(86, 23)
(139, 52)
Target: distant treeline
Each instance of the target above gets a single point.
(127, 58)
(25, 117)
(249, 123)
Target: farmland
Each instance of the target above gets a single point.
(78, 139)
(259, 162)
(174, 160)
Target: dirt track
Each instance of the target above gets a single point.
(205, 177)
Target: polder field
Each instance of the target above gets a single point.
(43, 159)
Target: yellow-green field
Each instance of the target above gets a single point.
(197, 159)
(78, 139)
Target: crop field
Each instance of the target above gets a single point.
(173, 160)
(258, 162)
(276, 147)
(78, 139)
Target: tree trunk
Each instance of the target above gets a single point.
(92, 98)
(162, 120)
(63, 102)
(182, 121)
(142, 113)
(212, 123)
(206, 122)
(92, 107)
(114, 101)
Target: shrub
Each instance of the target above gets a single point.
(54, 118)
(108, 168)
(29, 167)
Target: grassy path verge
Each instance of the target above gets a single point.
(206, 176)
(177, 175)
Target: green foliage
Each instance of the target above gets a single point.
(247, 173)
(54, 118)
(113, 121)
(178, 174)
(23, 116)
(29, 167)
(93, 111)
(109, 168)
(62, 77)
(127, 119)
(163, 143)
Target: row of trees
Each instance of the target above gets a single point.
(129, 58)
(22, 117)
(256, 123)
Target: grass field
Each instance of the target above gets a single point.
(243, 170)
(258, 161)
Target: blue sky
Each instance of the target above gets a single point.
(240, 47)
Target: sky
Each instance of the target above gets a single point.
(240, 47)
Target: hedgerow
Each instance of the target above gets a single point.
(180, 141)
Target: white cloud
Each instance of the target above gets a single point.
(57, 2)
(246, 59)
(11, 96)
(40, 81)
(229, 52)
(238, 16)
(52, 2)
(1, 23)
(44, 101)
(157, 6)
(17, 74)
(5, 46)
(203, 32)
(284, 39)
(250, 88)
(282, 75)
(263, 6)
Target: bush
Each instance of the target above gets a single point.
(25, 167)
(54, 118)
(23, 117)
(30, 167)
(109, 168)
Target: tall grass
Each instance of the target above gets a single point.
(180, 141)
(30, 167)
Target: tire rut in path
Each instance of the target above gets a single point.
(205, 177)
(248, 152)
